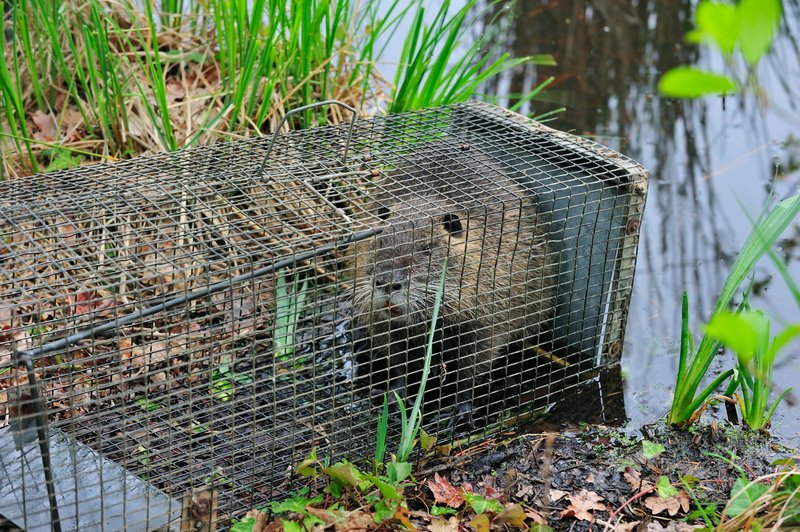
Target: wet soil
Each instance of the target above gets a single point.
(598, 478)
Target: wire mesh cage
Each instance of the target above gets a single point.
(203, 319)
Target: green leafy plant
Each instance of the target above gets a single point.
(742, 32)
(693, 365)
(224, 379)
(768, 502)
(289, 302)
(411, 424)
(748, 334)
(652, 450)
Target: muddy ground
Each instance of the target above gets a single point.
(567, 478)
(598, 478)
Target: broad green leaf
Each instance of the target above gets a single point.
(743, 494)
(736, 332)
(759, 21)
(399, 471)
(293, 505)
(306, 467)
(291, 526)
(651, 450)
(689, 82)
(426, 441)
(665, 488)
(245, 525)
(443, 510)
(716, 23)
(384, 510)
(388, 491)
(344, 472)
(481, 504)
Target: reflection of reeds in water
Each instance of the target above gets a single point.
(610, 57)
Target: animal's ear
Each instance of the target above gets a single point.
(452, 224)
(383, 212)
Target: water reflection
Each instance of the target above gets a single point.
(711, 160)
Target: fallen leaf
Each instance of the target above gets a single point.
(46, 125)
(326, 516)
(480, 523)
(357, 520)
(87, 302)
(658, 504)
(513, 514)
(626, 527)
(590, 478)
(556, 495)
(400, 515)
(440, 525)
(444, 492)
(634, 479)
(582, 505)
(523, 491)
(536, 516)
(489, 488)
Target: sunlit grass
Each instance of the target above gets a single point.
(122, 78)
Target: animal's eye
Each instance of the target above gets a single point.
(383, 212)
(452, 224)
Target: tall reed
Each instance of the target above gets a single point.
(124, 77)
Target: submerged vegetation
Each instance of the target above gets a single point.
(82, 82)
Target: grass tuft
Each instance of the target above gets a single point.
(123, 77)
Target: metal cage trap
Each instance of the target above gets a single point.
(204, 318)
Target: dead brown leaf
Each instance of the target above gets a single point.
(357, 520)
(324, 515)
(46, 125)
(632, 477)
(488, 488)
(513, 514)
(582, 505)
(480, 523)
(261, 520)
(555, 495)
(536, 516)
(440, 525)
(658, 504)
(402, 516)
(444, 492)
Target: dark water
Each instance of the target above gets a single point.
(711, 162)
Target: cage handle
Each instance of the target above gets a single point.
(353, 119)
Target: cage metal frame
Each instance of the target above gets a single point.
(614, 307)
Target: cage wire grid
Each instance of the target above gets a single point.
(233, 386)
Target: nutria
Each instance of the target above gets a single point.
(450, 200)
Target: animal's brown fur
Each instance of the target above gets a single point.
(500, 281)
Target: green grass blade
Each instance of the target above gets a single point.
(415, 420)
(761, 238)
(705, 394)
(686, 336)
(383, 427)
